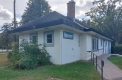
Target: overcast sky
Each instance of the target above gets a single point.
(6, 8)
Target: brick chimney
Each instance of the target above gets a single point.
(71, 9)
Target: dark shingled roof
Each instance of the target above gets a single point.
(52, 19)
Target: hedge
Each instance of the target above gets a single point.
(118, 49)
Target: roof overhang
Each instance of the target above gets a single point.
(65, 24)
(98, 33)
(71, 24)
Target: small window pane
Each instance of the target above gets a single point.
(34, 39)
(49, 36)
(49, 40)
(95, 43)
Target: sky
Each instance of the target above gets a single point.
(6, 8)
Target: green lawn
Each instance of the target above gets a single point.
(73, 71)
(3, 59)
(116, 60)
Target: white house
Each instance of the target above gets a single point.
(66, 38)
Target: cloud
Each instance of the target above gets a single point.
(53, 8)
(82, 6)
(5, 14)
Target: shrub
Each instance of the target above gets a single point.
(29, 56)
(44, 58)
(9, 55)
(14, 57)
(118, 49)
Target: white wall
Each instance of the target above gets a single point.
(67, 50)
(25, 36)
(53, 51)
(83, 47)
(70, 48)
(86, 41)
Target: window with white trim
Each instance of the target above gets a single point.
(95, 43)
(49, 38)
(33, 38)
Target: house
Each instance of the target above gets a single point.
(66, 38)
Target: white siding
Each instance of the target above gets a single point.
(24, 36)
(53, 51)
(86, 45)
(70, 48)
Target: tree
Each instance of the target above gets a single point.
(35, 9)
(5, 38)
(106, 16)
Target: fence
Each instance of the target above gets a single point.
(94, 60)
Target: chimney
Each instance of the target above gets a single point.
(71, 9)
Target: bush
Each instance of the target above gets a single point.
(118, 49)
(14, 57)
(29, 56)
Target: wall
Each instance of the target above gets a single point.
(53, 51)
(25, 36)
(86, 41)
(67, 50)
(70, 48)
(83, 47)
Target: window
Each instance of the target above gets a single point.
(33, 38)
(49, 38)
(101, 42)
(94, 44)
(106, 43)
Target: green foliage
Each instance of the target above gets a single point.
(29, 56)
(116, 60)
(118, 49)
(74, 71)
(35, 9)
(15, 46)
(5, 38)
(106, 16)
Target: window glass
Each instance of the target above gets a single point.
(106, 43)
(95, 44)
(33, 38)
(101, 42)
(49, 38)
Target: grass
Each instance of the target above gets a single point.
(3, 59)
(116, 60)
(73, 71)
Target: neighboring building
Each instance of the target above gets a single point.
(67, 39)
